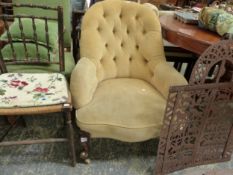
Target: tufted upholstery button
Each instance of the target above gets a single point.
(114, 30)
(137, 47)
(127, 31)
(106, 45)
(151, 73)
(130, 58)
(146, 61)
(122, 44)
(98, 29)
(120, 16)
(136, 17)
(114, 58)
(143, 31)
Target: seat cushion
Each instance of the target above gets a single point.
(124, 109)
(27, 90)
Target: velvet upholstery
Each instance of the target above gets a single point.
(120, 85)
(65, 4)
(69, 65)
(31, 50)
(27, 26)
(111, 110)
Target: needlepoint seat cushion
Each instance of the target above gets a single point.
(28, 90)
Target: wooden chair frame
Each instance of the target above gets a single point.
(64, 108)
(6, 18)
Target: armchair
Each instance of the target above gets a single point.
(120, 84)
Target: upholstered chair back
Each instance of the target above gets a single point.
(65, 4)
(123, 39)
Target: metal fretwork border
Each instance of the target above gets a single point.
(198, 127)
(198, 121)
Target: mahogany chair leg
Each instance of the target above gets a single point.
(70, 137)
(85, 142)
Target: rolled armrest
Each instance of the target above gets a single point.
(165, 76)
(83, 82)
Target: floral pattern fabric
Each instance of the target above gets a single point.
(28, 90)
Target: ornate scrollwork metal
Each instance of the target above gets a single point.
(198, 121)
(214, 65)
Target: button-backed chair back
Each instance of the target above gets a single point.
(198, 122)
(33, 93)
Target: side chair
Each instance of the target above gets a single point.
(28, 93)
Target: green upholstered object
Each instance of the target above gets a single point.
(29, 33)
(69, 65)
(40, 12)
(216, 20)
(31, 50)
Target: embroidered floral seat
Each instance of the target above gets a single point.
(28, 90)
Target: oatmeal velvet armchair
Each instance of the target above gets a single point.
(120, 84)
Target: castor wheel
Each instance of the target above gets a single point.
(87, 161)
(84, 156)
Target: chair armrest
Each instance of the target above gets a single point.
(165, 76)
(153, 7)
(83, 82)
